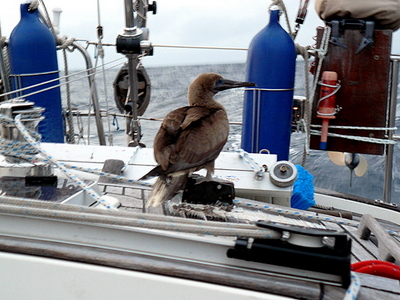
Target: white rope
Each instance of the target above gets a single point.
(97, 171)
(34, 5)
(259, 170)
(89, 106)
(28, 151)
(354, 287)
(46, 18)
(356, 127)
(357, 138)
(336, 89)
(35, 144)
(257, 89)
(18, 148)
(64, 42)
(282, 6)
(307, 103)
(292, 212)
(197, 47)
(57, 79)
(101, 54)
(296, 213)
(121, 218)
(71, 133)
(22, 202)
(80, 128)
(321, 55)
(61, 84)
(138, 12)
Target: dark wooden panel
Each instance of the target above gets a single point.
(364, 89)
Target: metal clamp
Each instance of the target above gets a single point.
(335, 36)
(368, 39)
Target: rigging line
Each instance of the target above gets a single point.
(110, 135)
(358, 138)
(199, 47)
(100, 53)
(160, 119)
(60, 78)
(57, 79)
(71, 133)
(307, 103)
(138, 12)
(181, 46)
(83, 217)
(48, 88)
(321, 52)
(46, 18)
(282, 6)
(355, 127)
(93, 75)
(98, 13)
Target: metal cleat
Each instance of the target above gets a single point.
(335, 36)
(368, 39)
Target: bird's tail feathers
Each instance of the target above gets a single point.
(165, 188)
(157, 171)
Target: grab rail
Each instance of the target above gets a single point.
(388, 248)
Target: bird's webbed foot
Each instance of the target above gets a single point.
(167, 179)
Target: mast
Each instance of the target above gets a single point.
(132, 44)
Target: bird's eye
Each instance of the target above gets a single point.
(219, 82)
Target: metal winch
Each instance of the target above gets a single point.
(17, 155)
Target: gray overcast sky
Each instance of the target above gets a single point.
(230, 23)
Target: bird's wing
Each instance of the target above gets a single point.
(189, 137)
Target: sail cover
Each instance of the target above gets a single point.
(385, 13)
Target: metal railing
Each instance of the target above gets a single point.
(388, 179)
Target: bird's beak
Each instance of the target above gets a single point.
(225, 84)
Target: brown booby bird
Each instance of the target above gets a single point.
(191, 137)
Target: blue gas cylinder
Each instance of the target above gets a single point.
(267, 110)
(33, 59)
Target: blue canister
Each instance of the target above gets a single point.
(267, 110)
(33, 59)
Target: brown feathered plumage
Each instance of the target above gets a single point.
(191, 137)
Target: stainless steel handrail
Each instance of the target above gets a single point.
(93, 92)
(388, 179)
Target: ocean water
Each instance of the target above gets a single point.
(169, 88)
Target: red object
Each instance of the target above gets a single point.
(378, 268)
(363, 90)
(327, 103)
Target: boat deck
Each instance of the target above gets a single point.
(370, 241)
(114, 240)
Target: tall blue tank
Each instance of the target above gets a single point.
(33, 59)
(267, 110)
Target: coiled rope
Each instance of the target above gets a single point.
(19, 148)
